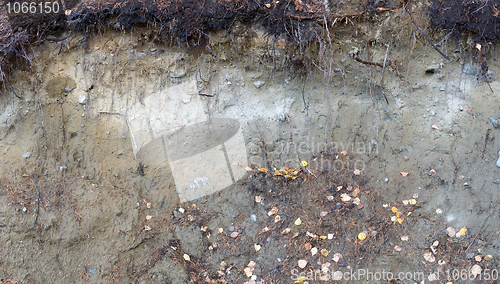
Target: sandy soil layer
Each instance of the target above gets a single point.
(422, 165)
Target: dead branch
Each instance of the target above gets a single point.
(392, 63)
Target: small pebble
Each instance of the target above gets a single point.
(470, 255)
(177, 75)
(234, 234)
(231, 228)
(386, 179)
(342, 262)
(258, 84)
(498, 161)
(495, 122)
(253, 217)
(338, 206)
(82, 99)
(27, 155)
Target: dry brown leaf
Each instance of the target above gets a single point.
(356, 192)
(451, 232)
(314, 251)
(476, 270)
(281, 43)
(336, 257)
(345, 197)
(264, 170)
(256, 247)
(429, 257)
(302, 263)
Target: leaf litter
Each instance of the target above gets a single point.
(314, 226)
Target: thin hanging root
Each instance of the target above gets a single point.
(4, 79)
(423, 33)
(392, 63)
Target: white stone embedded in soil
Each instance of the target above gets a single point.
(177, 75)
(82, 99)
(259, 84)
(253, 217)
(498, 161)
(27, 155)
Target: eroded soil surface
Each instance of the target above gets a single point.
(383, 184)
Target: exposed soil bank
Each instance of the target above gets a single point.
(106, 217)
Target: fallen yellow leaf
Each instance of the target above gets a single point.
(400, 217)
(298, 222)
(273, 211)
(462, 231)
(324, 252)
(300, 279)
(361, 236)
